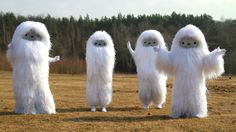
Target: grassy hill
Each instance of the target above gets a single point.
(125, 112)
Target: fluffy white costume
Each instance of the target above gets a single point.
(28, 53)
(190, 63)
(100, 59)
(152, 84)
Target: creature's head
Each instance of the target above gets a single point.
(100, 51)
(189, 37)
(30, 31)
(100, 39)
(30, 42)
(150, 38)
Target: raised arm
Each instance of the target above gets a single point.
(213, 64)
(163, 62)
(55, 59)
(9, 53)
(131, 51)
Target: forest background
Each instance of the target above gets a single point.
(69, 36)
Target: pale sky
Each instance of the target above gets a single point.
(218, 9)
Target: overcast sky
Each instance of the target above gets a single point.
(218, 9)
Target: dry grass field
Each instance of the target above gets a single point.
(125, 112)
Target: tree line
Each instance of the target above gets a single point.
(69, 36)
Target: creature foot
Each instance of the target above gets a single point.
(104, 109)
(145, 106)
(159, 106)
(93, 109)
(200, 115)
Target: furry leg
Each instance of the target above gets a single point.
(44, 104)
(144, 94)
(25, 106)
(159, 91)
(92, 94)
(105, 95)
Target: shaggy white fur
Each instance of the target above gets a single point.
(100, 59)
(152, 84)
(28, 53)
(190, 63)
(55, 59)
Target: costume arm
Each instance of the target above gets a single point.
(163, 62)
(213, 64)
(55, 59)
(131, 51)
(9, 53)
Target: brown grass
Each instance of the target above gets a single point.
(4, 64)
(69, 66)
(65, 65)
(124, 114)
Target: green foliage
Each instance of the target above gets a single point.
(69, 35)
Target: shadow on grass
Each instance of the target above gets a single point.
(59, 110)
(123, 108)
(7, 113)
(118, 118)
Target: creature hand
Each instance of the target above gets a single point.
(130, 49)
(156, 48)
(219, 51)
(9, 46)
(128, 44)
(57, 58)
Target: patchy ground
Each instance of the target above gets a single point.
(125, 112)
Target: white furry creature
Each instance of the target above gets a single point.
(152, 84)
(100, 59)
(190, 63)
(28, 53)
